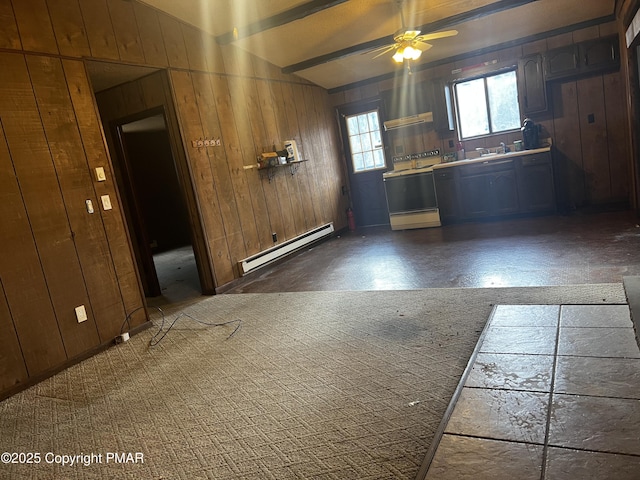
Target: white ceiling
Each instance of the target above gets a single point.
(353, 22)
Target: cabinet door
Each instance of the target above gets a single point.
(504, 193)
(561, 62)
(441, 102)
(536, 184)
(531, 84)
(475, 196)
(447, 195)
(601, 54)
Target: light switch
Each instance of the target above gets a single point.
(106, 202)
(100, 175)
(81, 314)
(89, 206)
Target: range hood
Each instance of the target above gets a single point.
(408, 121)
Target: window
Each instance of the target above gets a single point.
(487, 105)
(365, 141)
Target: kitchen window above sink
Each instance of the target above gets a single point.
(487, 105)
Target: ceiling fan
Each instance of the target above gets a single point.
(408, 43)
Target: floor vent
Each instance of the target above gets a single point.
(260, 259)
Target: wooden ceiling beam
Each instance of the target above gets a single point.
(445, 23)
(288, 16)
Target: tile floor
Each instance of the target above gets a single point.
(552, 393)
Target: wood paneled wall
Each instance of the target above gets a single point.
(51, 140)
(56, 256)
(594, 159)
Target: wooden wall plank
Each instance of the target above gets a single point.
(272, 108)
(191, 125)
(254, 139)
(173, 41)
(150, 35)
(125, 29)
(13, 369)
(34, 25)
(617, 135)
(295, 120)
(97, 22)
(568, 147)
(131, 297)
(194, 43)
(9, 36)
(30, 150)
(23, 281)
(307, 120)
(239, 148)
(287, 132)
(220, 174)
(68, 26)
(595, 153)
(76, 182)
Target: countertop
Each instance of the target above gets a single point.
(466, 161)
(491, 158)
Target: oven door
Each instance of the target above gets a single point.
(410, 193)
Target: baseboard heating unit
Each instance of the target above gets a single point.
(258, 260)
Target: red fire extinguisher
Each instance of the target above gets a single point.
(351, 220)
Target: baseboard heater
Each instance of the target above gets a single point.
(258, 260)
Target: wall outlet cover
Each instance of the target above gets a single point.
(81, 314)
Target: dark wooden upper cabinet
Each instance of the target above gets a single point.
(561, 62)
(442, 108)
(531, 84)
(592, 56)
(601, 54)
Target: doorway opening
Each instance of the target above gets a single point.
(155, 208)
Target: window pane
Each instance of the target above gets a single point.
(368, 160)
(352, 125)
(365, 139)
(376, 139)
(373, 121)
(356, 145)
(503, 102)
(358, 162)
(378, 158)
(363, 124)
(472, 108)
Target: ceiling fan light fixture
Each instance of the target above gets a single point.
(412, 53)
(398, 57)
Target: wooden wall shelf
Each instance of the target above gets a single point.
(270, 171)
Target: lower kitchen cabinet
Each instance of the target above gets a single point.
(447, 194)
(535, 183)
(518, 185)
(490, 194)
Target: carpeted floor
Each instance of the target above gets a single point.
(330, 385)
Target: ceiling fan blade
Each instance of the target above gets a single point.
(436, 35)
(422, 46)
(378, 49)
(386, 50)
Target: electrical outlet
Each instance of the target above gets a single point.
(274, 236)
(81, 314)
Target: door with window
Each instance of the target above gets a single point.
(364, 149)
